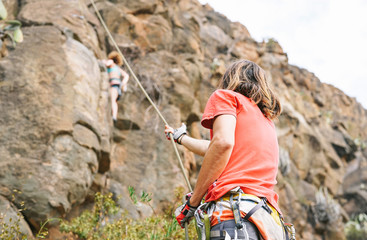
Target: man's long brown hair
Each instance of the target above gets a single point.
(249, 79)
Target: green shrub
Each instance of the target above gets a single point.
(356, 228)
(9, 226)
(271, 44)
(11, 230)
(96, 224)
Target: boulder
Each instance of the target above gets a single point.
(53, 122)
(355, 189)
(71, 17)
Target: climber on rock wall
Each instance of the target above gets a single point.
(240, 164)
(118, 79)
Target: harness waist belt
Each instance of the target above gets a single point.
(254, 209)
(218, 233)
(111, 79)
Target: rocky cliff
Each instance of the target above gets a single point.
(58, 145)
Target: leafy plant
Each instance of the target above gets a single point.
(43, 232)
(356, 228)
(10, 227)
(9, 30)
(145, 197)
(95, 224)
(271, 44)
(90, 223)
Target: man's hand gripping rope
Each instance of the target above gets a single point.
(185, 212)
(176, 133)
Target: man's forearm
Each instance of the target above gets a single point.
(197, 146)
(214, 163)
(216, 157)
(125, 79)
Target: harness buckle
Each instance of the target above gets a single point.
(236, 207)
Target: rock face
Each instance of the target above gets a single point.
(54, 123)
(57, 145)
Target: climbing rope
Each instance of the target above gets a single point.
(149, 99)
(143, 90)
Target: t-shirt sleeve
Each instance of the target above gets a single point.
(220, 102)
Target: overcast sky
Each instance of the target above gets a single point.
(327, 37)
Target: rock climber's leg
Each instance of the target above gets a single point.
(114, 95)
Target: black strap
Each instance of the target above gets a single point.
(285, 230)
(181, 136)
(222, 233)
(254, 209)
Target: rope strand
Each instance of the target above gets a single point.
(143, 90)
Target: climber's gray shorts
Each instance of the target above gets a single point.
(248, 232)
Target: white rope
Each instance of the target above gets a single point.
(143, 90)
(149, 99)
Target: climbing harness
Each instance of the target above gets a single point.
(239, 207)
(119, 91)
(202, 216)
(147, 96)
(113, 84)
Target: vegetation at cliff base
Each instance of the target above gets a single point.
(107, 221)
(101, 222)
(356, 228)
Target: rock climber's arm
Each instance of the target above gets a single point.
(217, 155)
(197, 146)
(125, 77)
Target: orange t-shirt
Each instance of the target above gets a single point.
(253, 164)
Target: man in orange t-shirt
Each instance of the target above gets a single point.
(253, 163)
(243, 150)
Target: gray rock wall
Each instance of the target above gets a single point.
(54, 119)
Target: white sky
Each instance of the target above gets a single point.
(327, 37)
